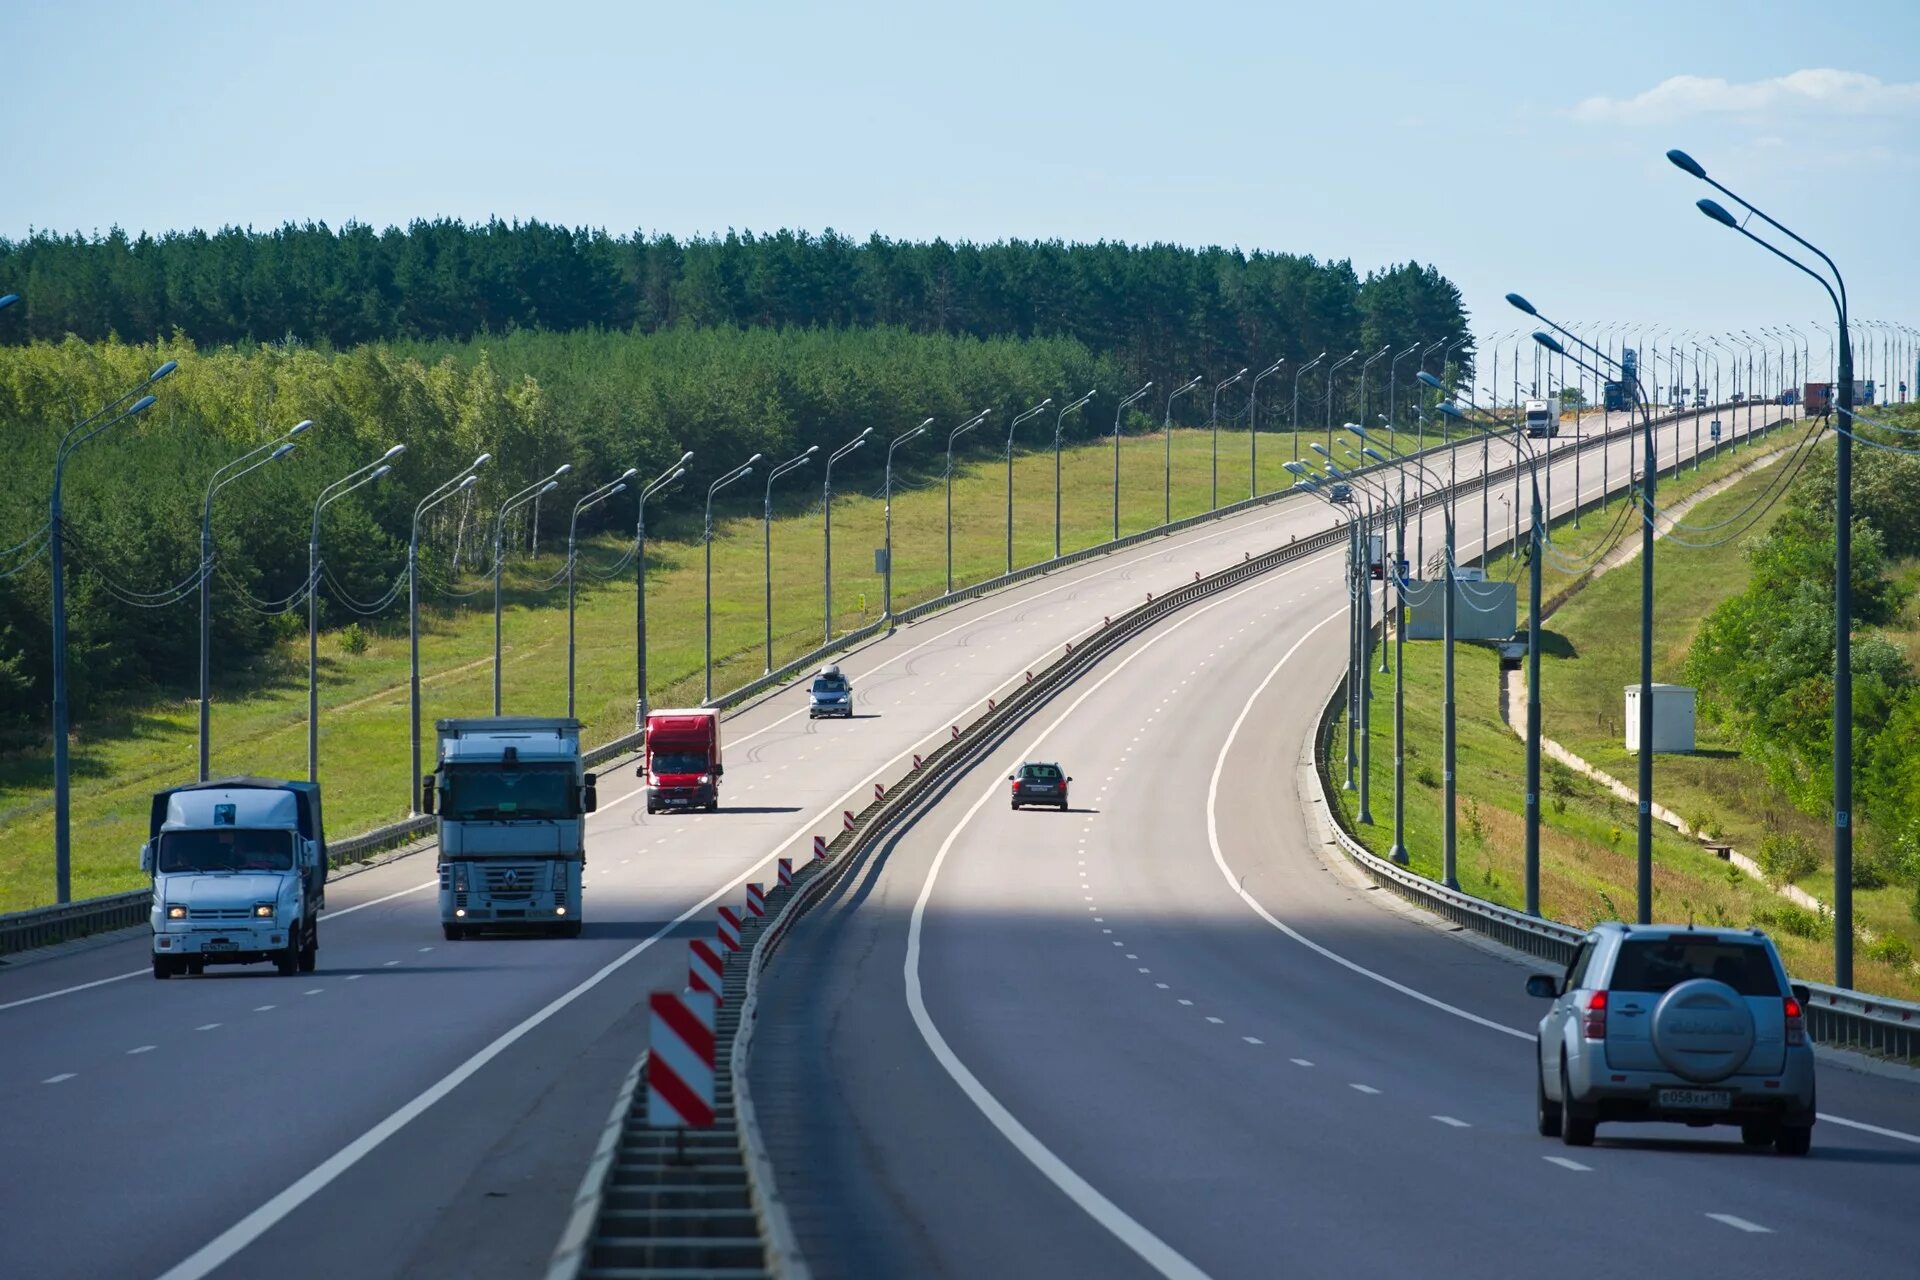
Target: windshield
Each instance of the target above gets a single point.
(830, 684)
(1040, 772)
(679, 762)
(479, 793)
(225, 849)
(1654, 965)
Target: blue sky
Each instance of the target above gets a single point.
(1516, 146)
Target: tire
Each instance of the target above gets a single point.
(1062, 806)
(1575, 1130)
(286, 961)
(1546, 1112)
(571, 929)
(1759, 1133)
(310, 953)
(1794, 1140)
(162, 967)
(453, 932)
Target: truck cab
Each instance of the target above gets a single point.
(511, 798)
(1542, 421)
(681, 759)
(830, 695)
(239, 870)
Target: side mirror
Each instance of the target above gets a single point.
(640, 770)
(146, 858)
(589, 796)
(1069, 777)
(590, 779)
(427, 794)
(1009, 777)
(719, 771)
(1544, 985)
(1802, 993)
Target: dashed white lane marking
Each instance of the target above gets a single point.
(64, 1075)
(145, 1048)
(1161, 985)
(1215, 1021)
(313, 991)
(1565, 1163)
(1741, 1224)
(207, 1026)
(1362, 1088)
(389, 964)
(1146, 970)
(262, 1008)
(1253, 1039)
(355, 977)
(1299, 1062)
(1188, 1003)
(1450, 1122)
(1130, 954)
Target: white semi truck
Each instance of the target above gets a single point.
(239, 871)
(512, 799)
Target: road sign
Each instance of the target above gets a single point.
(1713, 431)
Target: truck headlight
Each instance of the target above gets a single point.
(264, 910)
(705, 778)
(176, 913)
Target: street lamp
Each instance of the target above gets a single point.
(1842, 566)
(667, 479)
(953, 435)
(766, 539)
(115, 411)
(826, 500)
(1296, 401)
(1117, 415)
(886, 577)
(1253, 433)
(1385, 351)
(1331, 370)
(1011, 428)
(1058, 424)
(1393, 387)
(1175, 394)
(599, 495)
(225, 475)
(538, 489)
(740, 472)
(460, 483)
(1213, 421)
(332, 493)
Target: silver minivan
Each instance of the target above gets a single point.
(1677, 1024)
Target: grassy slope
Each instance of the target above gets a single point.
(259, 715)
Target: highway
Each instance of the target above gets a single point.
(1167, 1033)
(419, 1107)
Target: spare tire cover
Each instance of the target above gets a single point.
(1702, 1030)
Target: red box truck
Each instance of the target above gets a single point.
(681, 759)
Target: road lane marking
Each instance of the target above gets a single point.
(1450, 1122)
(207, 1027)
(1215, 1021)
(313, 991)
(1741, 1224)
(1362, 1088)
(1163, 986)
(1299, 1062)
(1870, 1128)
(145, 1048)
(263, 1008)
(64, 1075)
(1253, 1039)
(389, 964)
(1188, 1003)
(1565, 1163)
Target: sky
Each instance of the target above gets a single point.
(1515, 146)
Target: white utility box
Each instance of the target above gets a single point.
(1672, 718)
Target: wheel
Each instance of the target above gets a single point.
(1575, 1130)
(1794, 1140)
(453, 932)
(571, 929)
(1062, 806)
(286, 961)
(162, 967)
(1758, 1133)
(1015, 806)
(713, 806)
(1546, 1112)
(310, 953)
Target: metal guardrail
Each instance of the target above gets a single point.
(43, 926)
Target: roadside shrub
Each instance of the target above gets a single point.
(1476, 828)
(1785, 857)
(1891, 950)
(1560, 779)
(353, 639)
(1707, 826)
(1426, 777)
(1796, 921)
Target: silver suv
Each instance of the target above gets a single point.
(1677, 1024)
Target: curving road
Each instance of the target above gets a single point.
(1166, 1034)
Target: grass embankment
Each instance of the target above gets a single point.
(1590, 652)
(259, 714)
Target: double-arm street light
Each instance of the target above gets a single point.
(1059, 424)
(667, 479)
(1011, 428)
(1842, 562)
(457, 484)
(740, 472)
(1385, 351)
(538, 489)
(116, 411)
(886, 575)
(1213, 422)
(1118, 415)
(1392, 417)
(1296, 401)
(247, 462)
(953, 435)
(328, 496)
(1253, 431)
(766, 541)
(594, 498)
(1167, 488)
(1331, 370)
(826, 502)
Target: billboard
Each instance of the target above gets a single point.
(1481, 610)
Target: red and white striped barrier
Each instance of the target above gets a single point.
(1106, 622)
(956, 733)
(786, 873)
(757, 900)
(879, 792)
(680, 1061)
(729, 929)
(706, 970)
(1069, 646)
(1196, 575)
(1029, 677)
(846, 819)
(916, 761)
(1149, 597)
(819, 848)
(990, 704)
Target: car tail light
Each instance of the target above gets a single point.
(1796, 1022)
(1596, 1019)
(1016, 785)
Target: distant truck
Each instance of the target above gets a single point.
(1542, 421)
(1618, 397)
(681, 759)
(1817, 398)
(512, 799)
(239, 870)
(1377, 558)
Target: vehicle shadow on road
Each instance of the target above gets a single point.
(1836, 1155)
(726, 809)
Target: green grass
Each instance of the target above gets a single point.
(259, 713)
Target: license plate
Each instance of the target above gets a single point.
(676, 800)
(222, 944)
(1695, 1099)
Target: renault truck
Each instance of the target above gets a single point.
(239, 871)
(511, 799)
(680, 759)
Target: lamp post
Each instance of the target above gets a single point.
(1253, 429)
(886, 578)
(1385, 351)
(225, 475)
(1331, 370)
(1011, 428)
(460, 483)
(1296, 401)
(1173, 395)
(332, 493)
(672, 476)
(826, 502)
(1118, 414)
(1354, 659)
(1213, 423)
(537, 489)
(1058, 424)
(1393, 387)
(953, 435)
(1842, 566)
(116, 411)
(766, 541)
(740, 472)
(599, 495)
